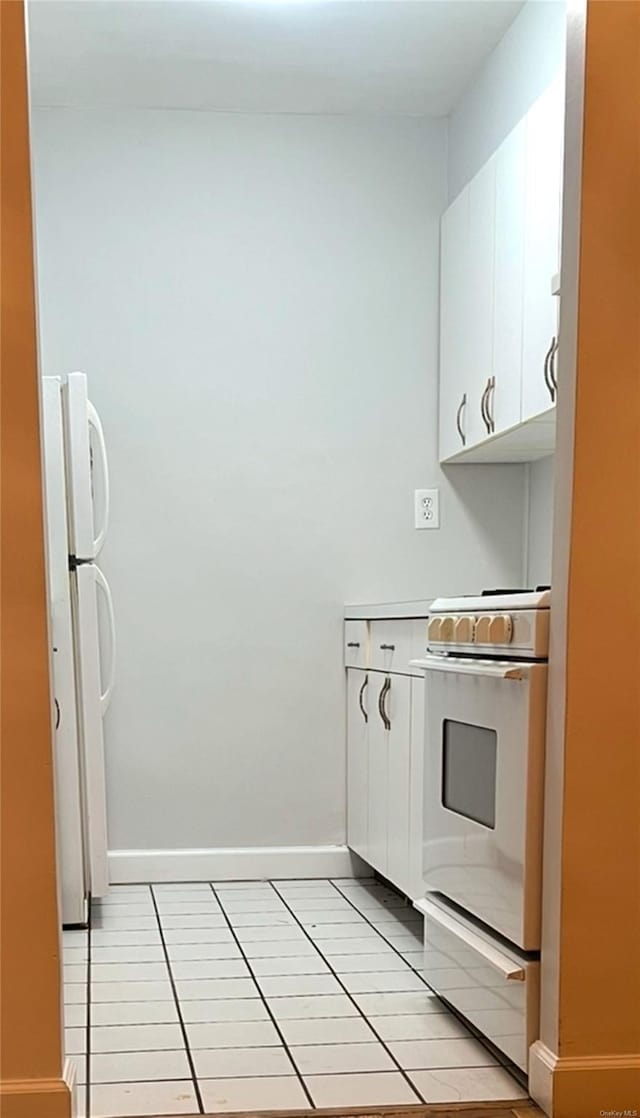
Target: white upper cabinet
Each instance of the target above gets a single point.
(545, 129)
(500, 251)
(454, 360)
(478, 324)
(504, 400)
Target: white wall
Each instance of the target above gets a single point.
(522, 65)
(255, 302)
(540, 522)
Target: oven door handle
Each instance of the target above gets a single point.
(459, 666)
(505, 966)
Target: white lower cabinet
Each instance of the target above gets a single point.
(358, 762)
(384, 774)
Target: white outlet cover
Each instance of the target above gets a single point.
(427, 508)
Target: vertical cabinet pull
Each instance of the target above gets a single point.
(461, 405)
(382, 710)
(489, 405)
(483, 413)
(484, 405)
(552, 367)
(361, 698)
(547, 369)
(57, 713)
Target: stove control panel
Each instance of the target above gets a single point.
(524, 632)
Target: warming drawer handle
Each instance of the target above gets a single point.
(505, 966)
(471, 667)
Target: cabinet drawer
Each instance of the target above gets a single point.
(395, 643)
(356, 644)
(494, 987)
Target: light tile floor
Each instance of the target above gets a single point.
(262, 995)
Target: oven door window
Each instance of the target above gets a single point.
(469, 756)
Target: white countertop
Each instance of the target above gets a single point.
(379, 611)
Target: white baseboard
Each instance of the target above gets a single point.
(564, 1086)
(241, 864)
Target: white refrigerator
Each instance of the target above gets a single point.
(82, 635)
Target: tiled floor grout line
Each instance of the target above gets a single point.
(272, 1018)
(174, 991)
(87, 1058)
(381, 934)
(403, 1073)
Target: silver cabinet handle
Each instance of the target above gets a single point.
(461, 405)
(482, 411)
(384, 691)
(57, 713)
(484, 406)
(491, 387)
(547, 376)
(361, 697)
(388, 647)
(552, 367)
(353, 644)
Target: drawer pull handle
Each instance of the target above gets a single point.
(361, 697)
(384, 691)
(388, 647)
(353, 644)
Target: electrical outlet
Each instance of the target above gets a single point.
(427, 508)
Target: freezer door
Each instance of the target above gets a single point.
(95, 682)
(87, 471)
(68, 801)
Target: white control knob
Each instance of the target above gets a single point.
(500, 629)
(464, 628)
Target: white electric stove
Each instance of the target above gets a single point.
(486, 692)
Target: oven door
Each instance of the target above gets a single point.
(484, 774)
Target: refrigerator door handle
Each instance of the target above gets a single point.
(105, 697)
(94, 422)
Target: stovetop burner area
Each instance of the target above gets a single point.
(528, 590)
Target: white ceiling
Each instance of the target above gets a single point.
(307, 56)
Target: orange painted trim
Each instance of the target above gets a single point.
(30, 1003)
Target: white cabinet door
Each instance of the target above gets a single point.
(397, 707)
(505, 397)
(544, 155)
(454, 303)
(378, 791)
(415, 887)
(358, 762)
(477, 325)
